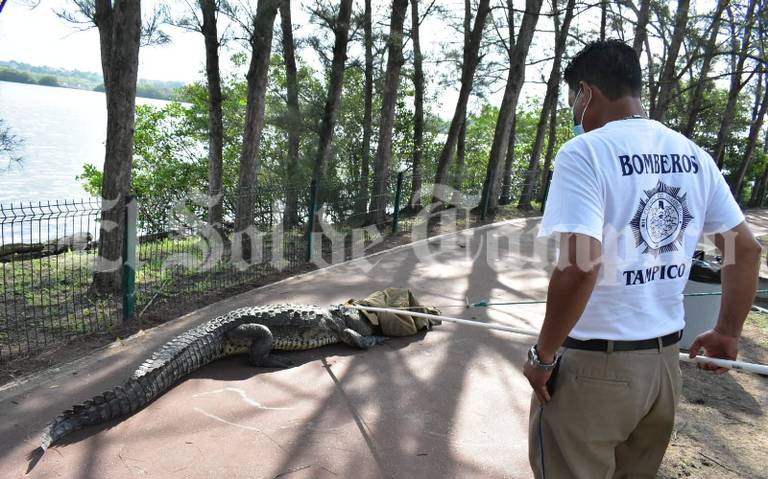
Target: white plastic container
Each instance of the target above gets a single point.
(701, 312)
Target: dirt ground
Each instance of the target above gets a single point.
(721, 429)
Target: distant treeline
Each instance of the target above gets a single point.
(40, 75)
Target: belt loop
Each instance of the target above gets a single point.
(609, 350)
(660, 343)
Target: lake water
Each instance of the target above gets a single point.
(62, 129)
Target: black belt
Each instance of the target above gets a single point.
(603, 344)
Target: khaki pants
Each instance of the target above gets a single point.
(611, 415)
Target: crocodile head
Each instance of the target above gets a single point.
(348, 314)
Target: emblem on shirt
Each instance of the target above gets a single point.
(660, 221)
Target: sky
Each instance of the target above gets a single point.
(39, 37)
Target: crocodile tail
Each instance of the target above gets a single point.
(177, 358)
(115, 403)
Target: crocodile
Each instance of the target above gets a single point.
(256, 331)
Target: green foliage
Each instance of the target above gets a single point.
(7, 74)
(479, 139)
(170, 159)
(710, 119)
(9, 145)
(24, 73)
(48, 80)
(168, 164)
(92, 179)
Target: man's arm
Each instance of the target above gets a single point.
(569, 290)
(741, 259)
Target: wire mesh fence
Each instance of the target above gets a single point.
(48, 250)
(47, 253)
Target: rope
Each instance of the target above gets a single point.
(723, 363)
(487, 303)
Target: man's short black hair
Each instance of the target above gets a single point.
(611, 65)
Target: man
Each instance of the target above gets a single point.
(629, 200)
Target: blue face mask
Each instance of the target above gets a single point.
(578, 127)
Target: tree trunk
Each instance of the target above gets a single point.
(331, 110)
(461, 144)
(290, 214)
(471, 60)
(736, 84)
(261, 47)
(641, 32)
(509, 161)
(461, 150)
(667, 79)
(418, 104)
(561, 32)
(215, 119)
(697, 96)
(119, 34)
(758, 116)
(389, 99)
(367, 112)
(104, 20)
(603, 18)
(336, 82)
(550, 149)
(758, 193)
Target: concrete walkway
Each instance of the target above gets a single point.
(450, 404)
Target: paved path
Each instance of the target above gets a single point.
(450, 404)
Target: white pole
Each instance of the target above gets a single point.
(723, 363)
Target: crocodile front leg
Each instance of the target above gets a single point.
(357, 340)
(259, 340)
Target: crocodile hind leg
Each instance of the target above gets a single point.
(355, 339)
(261, 341)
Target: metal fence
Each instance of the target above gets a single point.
(48, 250)
(47, 253)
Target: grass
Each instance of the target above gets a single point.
(758, 319)
(48, 299)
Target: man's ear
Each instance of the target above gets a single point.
(597, 93)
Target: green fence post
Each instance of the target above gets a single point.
(546, 191)
(398, 193)
(311, 222)
(129, 260)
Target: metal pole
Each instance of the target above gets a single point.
(311, 221)
(129, 260)
(398, 193)
(723, 363)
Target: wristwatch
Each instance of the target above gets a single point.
(533, 360)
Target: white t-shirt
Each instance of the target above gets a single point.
(647, 193)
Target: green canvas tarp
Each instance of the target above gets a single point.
(400, 324)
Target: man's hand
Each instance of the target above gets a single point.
(716, 345)
(538, 379)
